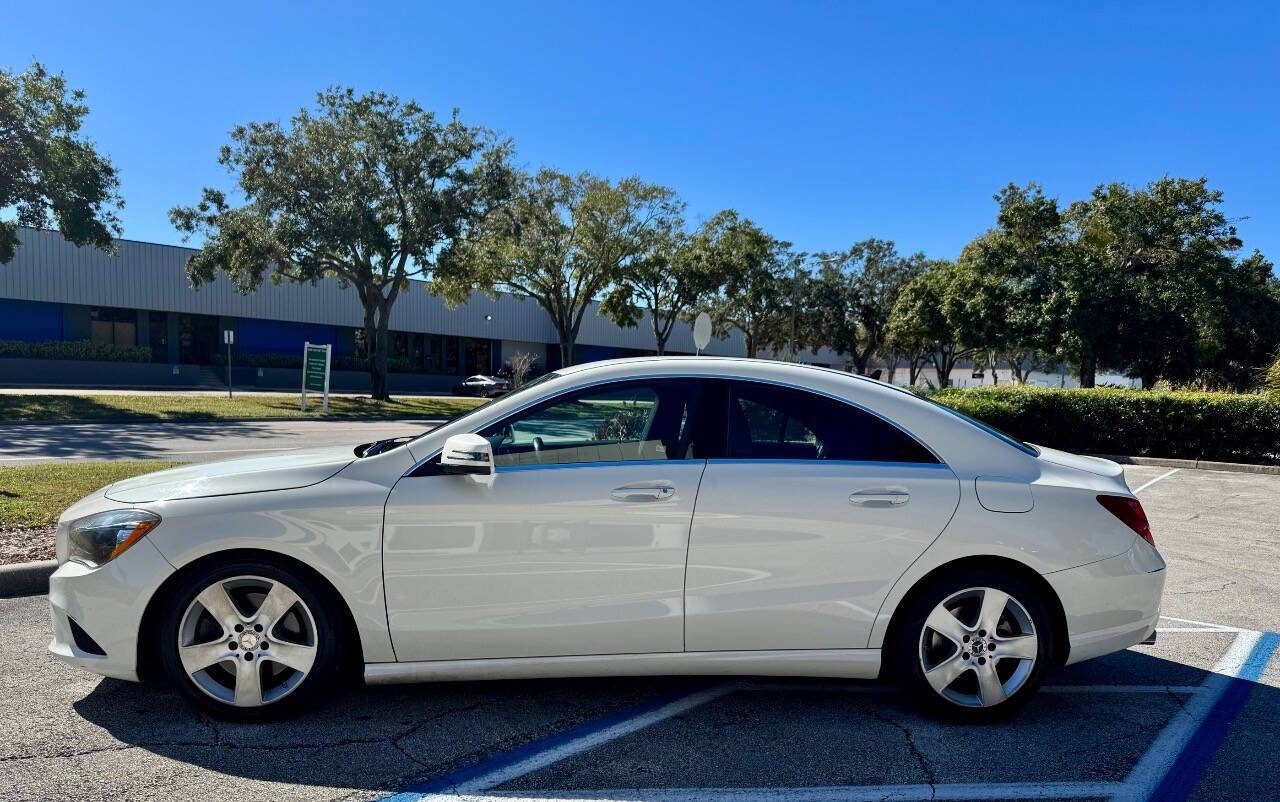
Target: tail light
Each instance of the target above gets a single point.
(1129, 510)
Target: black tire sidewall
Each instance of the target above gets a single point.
(906, 656)
(324, 672)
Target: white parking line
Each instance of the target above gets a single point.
(1208, 627)
(504, 770)
(836, 687)
(856, 793)
(1164, 475)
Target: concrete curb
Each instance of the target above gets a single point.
(157, 421)
(1196, 464)
(26, 579)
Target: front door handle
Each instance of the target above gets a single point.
(658, 492)
(880, 497)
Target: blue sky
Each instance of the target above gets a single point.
(825, 122)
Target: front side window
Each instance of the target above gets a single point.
(767, 421)
(643, 420)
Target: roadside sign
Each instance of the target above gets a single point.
(228, 337)
(702, 331)
(315, 372)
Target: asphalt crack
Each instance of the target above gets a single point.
(930, 776)
(1199, 591)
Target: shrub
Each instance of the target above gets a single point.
(1181, 424)
(1271, 379)
(74, 349)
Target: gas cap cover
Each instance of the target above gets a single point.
(1002, 494)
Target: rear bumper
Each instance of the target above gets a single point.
(1111, 604)
(107, 604)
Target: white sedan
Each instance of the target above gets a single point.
(645, 516)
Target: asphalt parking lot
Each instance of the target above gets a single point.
(1194, 716)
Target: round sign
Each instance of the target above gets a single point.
(702, 331)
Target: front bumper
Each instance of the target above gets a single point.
(1111, 604)
(107, 604)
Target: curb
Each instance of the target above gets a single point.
(26, 579)
(155, 421)
(1196, 464)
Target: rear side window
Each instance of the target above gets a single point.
(765, 421)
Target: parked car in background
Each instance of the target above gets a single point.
(643, 516)
(482, 386)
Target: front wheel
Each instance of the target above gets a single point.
(975, 646)
(247, 640)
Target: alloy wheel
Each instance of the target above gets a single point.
(978, 647)
(247, 641)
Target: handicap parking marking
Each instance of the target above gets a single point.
(1169, 768)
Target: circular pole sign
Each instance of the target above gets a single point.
(702, 331)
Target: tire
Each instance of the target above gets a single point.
(268, 622)
(943, 654)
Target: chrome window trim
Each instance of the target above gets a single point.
(724, 377)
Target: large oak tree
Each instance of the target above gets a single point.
(49, 172)
(563, 241)
(366, 189)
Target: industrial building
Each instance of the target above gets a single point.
(140, 298)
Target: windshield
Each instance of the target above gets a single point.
(524, 388)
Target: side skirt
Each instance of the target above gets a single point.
(845, 663)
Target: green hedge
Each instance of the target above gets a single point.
(74, 349)
(1189, 425)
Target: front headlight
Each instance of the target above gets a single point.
(96, 539)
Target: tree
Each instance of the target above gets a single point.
(673, 276)
(926, 319)
(1238, 325)
(368, 190)
(49, 173)
(1151, 259)
(852, 295)
(520, 364)
(562, 241)
(761, 275)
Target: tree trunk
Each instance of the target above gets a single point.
(566, 350)
(1149, 379)
(1088, 369)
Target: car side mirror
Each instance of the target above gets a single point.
(467, 454)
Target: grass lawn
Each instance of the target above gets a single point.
(33, 496)
(191, 407)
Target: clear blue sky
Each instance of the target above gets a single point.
(825, 122)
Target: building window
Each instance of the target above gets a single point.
(478, 354)
(158, 324)
(111, 326)
(451, 356)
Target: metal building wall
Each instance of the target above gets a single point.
(143, 275)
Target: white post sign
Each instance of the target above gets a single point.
(315, 372)
(701, 332)
(228, 337)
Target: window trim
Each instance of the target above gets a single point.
(726, 378)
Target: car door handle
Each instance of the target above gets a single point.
(880, 497)
(660, 492)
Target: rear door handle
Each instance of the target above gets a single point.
(658, 492)
(880, 497)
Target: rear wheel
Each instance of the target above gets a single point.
(247, 640)
(975, 645)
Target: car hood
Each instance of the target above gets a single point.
(1094, 465)
(282, 471)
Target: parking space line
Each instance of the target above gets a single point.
(852, 793)
(835, 687)
(540, 754)
(1150, 773)
(1207, 626)
(1164, 475)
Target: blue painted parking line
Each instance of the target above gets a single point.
(1199, 751)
